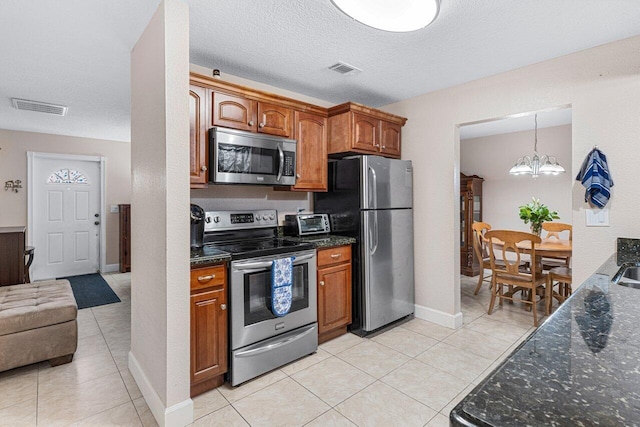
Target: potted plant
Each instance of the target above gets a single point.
(536, 213)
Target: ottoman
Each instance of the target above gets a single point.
(37, 322)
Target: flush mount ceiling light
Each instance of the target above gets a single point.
(534, 166)
(391, 15)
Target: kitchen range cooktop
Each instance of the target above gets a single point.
(240, 249)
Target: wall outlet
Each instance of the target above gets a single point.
(597, 217)
(115, 208)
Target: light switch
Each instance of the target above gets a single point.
(115, 209)
(597, 217)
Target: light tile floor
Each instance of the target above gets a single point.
(413, 374)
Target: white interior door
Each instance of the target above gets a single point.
(65, 217)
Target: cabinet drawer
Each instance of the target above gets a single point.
(335, 255)
(208, 277)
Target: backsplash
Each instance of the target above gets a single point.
(240, 197)
(628, 250)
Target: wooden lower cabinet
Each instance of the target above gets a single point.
(334, 292)
(209, 347)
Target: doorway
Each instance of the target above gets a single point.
(489, 149)
(65, 211)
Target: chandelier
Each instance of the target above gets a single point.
(536, 165)
(391, 15)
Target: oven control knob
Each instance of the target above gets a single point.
(272, 217)
(258, 218)
(216, 219)
(207, 219)
(265, 217)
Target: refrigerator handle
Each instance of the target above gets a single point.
(374, 232)
(374, 188)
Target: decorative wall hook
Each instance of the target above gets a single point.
(14, 185)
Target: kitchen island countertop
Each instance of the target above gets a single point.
(580, 367)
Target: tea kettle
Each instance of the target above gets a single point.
(197, 226)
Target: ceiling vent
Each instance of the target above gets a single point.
(345, 69)
(39, 107)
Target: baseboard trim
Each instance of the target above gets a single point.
(180, 414)
(453, 321)
(111, 268)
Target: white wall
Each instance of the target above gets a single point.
(603, 87)
(160, 334)
(491, 157)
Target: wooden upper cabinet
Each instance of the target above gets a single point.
(311, 157)
(366, 132)
(233, 111)
(198, 147)
(275, 120)
(355, 128)
(390, 138)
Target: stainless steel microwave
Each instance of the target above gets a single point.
(239, 157)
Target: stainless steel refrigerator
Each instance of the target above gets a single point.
(371, 199)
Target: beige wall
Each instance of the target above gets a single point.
(13, 165)
(160, 334)
(603, 87)
(491, 157)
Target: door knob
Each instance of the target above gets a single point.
(203, 168)
(97, 223)
(97, 215)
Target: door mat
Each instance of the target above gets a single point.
(91, 290)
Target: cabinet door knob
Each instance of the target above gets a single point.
(250, 122)
(297, 175)
(321, 282)
(261, 125)
(203, 168)
(223, 306)
(206, 278)
(383, 147)
(335, 256)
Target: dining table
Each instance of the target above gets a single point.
(549, 247)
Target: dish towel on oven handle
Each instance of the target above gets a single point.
(281, 286)
(595, 177)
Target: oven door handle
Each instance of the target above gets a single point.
(253, 352)
(264, 264)
(252, 265)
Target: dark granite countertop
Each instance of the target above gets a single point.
(208, 256)
(581, 367)
(321, 241)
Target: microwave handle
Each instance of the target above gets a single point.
(281, 164)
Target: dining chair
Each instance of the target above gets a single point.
(553, 230)
(561, 275)
(511, 275)
(480, 249)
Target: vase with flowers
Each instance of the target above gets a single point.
(536, 213)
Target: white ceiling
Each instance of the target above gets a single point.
(76, 52)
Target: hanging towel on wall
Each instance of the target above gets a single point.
(595, 177)
(281, 285)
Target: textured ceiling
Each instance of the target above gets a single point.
(76, 52)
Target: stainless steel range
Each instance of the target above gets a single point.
(259, 340)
